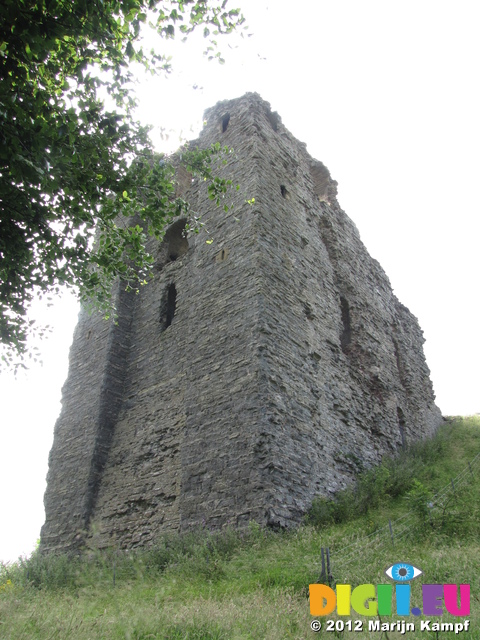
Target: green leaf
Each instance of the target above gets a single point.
(65, 151)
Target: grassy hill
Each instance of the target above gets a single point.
(254, 584)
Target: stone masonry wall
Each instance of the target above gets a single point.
(251, 374)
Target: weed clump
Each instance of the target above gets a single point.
(393, 478)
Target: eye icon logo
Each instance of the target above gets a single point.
(366, 600)
(403, 572)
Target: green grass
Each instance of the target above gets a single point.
(253, 584)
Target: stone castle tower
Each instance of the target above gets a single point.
(252, 374)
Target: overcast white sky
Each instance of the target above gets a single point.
(386, 94)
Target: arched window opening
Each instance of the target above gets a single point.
(169, 305)
(224, 122)
(346, 336)
(174, 245)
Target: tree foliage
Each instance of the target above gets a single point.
(70, 167)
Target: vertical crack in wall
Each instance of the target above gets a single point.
(111, 396)
(346, 336)
(401, 426)
(330, 243)
(400, 364)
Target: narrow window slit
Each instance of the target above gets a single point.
(346, 336)
(221, 256)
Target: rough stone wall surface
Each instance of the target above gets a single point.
(250, 375)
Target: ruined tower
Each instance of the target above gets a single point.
(253, 372)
